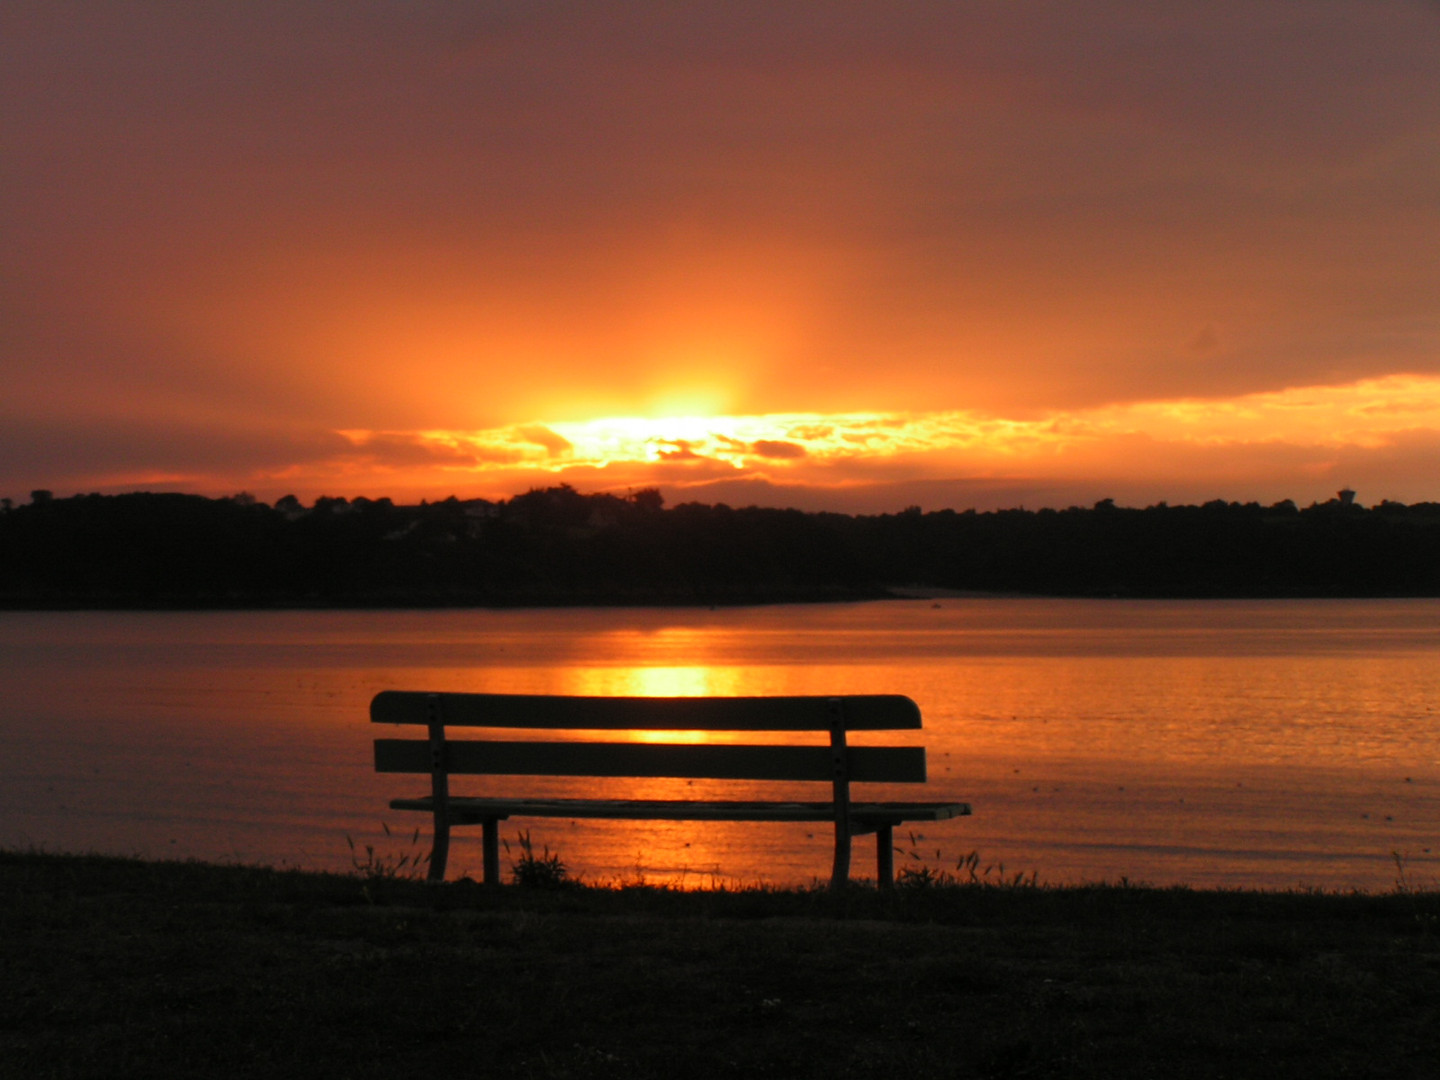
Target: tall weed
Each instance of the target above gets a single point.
(917, 873)
(408, 865)
(531, 871)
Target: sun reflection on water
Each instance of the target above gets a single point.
(1258, 743)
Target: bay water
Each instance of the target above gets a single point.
(1268, 744)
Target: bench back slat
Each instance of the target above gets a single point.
(876, 764)
(866, 712)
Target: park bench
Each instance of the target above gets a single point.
(832, 762)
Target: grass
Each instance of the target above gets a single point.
(528, 870)
(371, 864)
(121, 968)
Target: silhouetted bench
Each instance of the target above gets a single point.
(836, 764)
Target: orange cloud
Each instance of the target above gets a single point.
(778, 449)
(1300, 432)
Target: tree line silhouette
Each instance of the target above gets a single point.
(558, 546)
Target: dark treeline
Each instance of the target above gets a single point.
(557, 546)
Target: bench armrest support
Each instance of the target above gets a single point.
(840, 871)
(439, 789)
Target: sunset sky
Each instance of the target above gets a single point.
(852, 256)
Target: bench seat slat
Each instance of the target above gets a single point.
(474, 810)
(875, 764)
(863, 712)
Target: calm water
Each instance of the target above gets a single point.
(1236, 743)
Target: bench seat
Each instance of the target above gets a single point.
(474, 811)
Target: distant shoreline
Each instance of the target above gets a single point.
(938, 594)
(558, 548)
(417, 603)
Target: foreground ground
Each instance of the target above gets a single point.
(115, 968)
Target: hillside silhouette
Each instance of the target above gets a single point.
(557, 546)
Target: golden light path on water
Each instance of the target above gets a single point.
(1221, 743)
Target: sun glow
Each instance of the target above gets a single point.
(1367, 413)
(1314, 427)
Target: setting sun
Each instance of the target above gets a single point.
(1334, 432)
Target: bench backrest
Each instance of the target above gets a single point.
(835, 762)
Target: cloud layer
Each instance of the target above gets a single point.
(236, 233)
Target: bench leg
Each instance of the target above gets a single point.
(439, 850)
(885, 856)
(492, 850)
(840, 873)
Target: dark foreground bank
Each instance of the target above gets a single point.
(121, 968)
